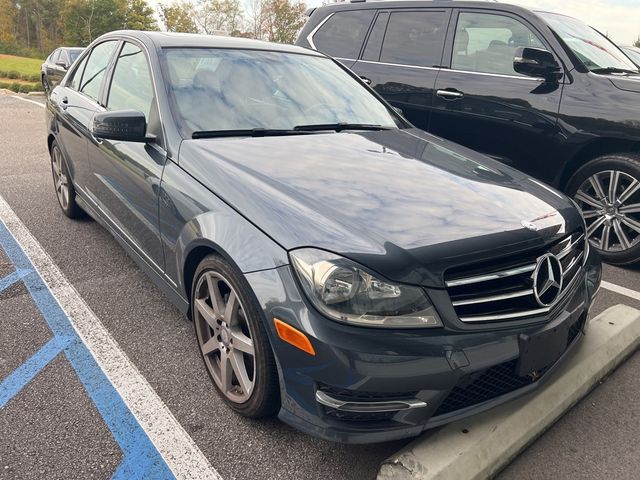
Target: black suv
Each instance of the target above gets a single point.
(537, 90)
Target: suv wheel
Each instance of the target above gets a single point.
(607, 190)
(232, 339)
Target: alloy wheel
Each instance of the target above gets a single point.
(224, 337)
(610, 204)
(60, 178)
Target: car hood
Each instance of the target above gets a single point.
(629, 84)
(401, 202)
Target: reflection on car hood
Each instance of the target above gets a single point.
(401, 202)
(630, 84)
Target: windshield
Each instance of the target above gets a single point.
(592, 48)
(633, 54)
(223, 89)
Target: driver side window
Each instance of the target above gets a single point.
(487, 43)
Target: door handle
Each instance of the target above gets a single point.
(365, 80)
(450, 94)
(65, 103)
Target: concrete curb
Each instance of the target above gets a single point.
(480, 446)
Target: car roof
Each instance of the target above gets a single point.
(193, 40)
(377, 4)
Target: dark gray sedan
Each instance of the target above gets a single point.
(360, 278)
(56, 65)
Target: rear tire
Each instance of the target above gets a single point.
(607, 190)
(45, 86)
(232, 338)
(65, 192)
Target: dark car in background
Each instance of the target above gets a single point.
(633, 53)
(361, 278)
(56, 65)
(539, 91)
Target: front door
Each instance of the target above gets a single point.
(126, 176)
(483, 103)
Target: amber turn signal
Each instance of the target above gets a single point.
(293, 336)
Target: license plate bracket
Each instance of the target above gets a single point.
(544, 347)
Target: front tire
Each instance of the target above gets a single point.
(607, 190)
(65, 191)
(45, 86)
(233, 340)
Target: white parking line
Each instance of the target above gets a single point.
(178, 450)
(621, 290)
(27, 100)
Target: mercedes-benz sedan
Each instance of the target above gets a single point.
(360, 278)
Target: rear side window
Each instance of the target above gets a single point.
(415, 38)
(96, 69)
(343, 33)
(372, 50)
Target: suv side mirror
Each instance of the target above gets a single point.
(123, 125)
(536, 62)
(62, 64)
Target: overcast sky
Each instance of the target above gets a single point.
(620, 19)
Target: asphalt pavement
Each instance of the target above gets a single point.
(52, 427)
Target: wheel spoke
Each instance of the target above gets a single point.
(242, 342)
(214, 294)
(631, 189)
(595, 183)
(237, 363)
(208, 314)
(624, 240)
(226, 372)
(594, 226)
(631, 224)
(590, 213)
(604, 241)
(633, 208)
(614, 176)
(589, 200)
(231, 309)
(210, 346)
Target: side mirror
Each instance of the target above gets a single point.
(123, 125)
(63, 65)
(536, 62)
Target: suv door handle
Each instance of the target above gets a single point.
(365, 80)
(450, 94)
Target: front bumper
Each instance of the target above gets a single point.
(443, 373)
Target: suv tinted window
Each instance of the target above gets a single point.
(415, 38)
(96, 68)
(131, 86)
(342, 35)
(372, 50)
(487, 43)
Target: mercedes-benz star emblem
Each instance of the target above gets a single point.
(547, 280)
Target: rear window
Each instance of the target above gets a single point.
(343, 33)
(415, 38)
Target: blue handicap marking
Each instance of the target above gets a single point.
(140, 458)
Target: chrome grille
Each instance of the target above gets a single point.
(486, 293)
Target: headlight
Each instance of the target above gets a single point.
(347, 292)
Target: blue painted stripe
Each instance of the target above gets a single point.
(140, 457)
(12, 278)
(22, 375)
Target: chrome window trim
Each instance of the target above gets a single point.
(313, 32)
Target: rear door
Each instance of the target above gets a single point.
(402, 58)
(76, 103)
(483, 103)
(126, 177)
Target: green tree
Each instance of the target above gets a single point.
(218, 16)
(7, 21)
(178, 17)
(282, 19)
(85, 20)
(140, 16)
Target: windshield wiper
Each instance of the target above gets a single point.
(338, 127)
(246, 132)
(606, 70)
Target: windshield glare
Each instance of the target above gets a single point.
(591, 47)
(223, 89)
